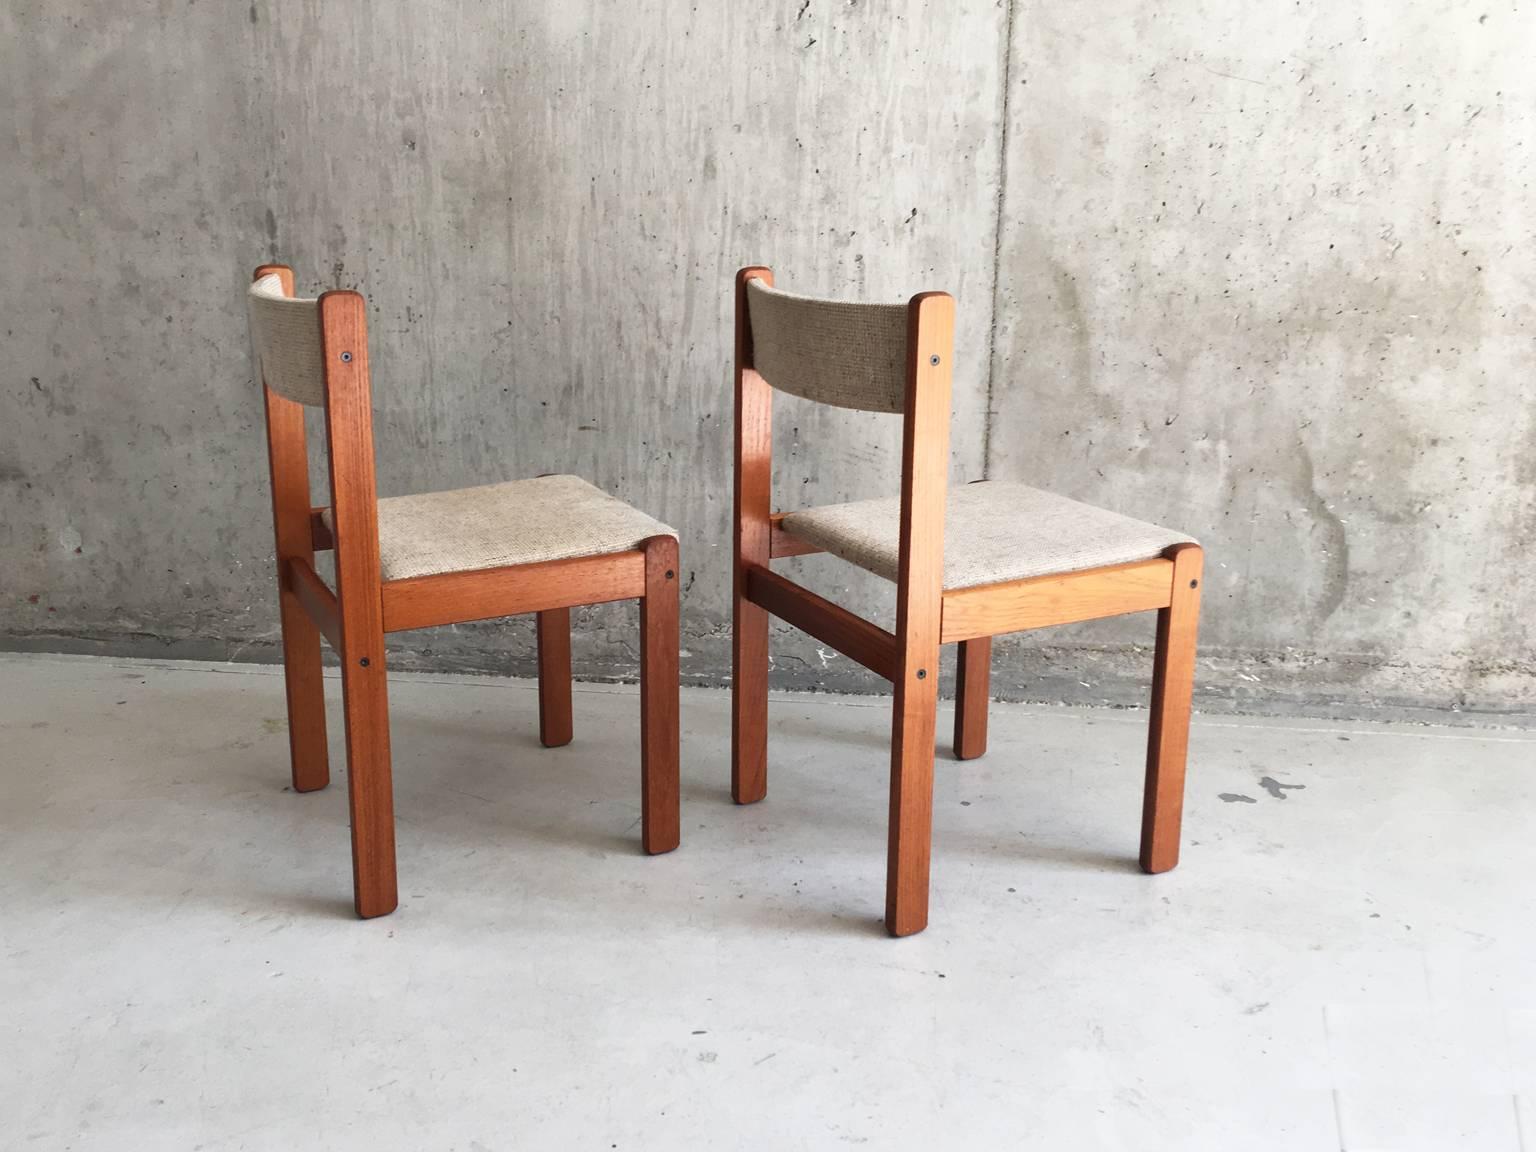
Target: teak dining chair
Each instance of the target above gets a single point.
(984, 559)
(543, 545)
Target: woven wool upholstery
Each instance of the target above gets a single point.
(994, 531)
(830, 351)
(519, 522)
(286, 333)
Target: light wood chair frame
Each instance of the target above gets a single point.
(927, 616)
(364, 607)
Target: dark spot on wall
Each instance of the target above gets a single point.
(253, 14)
(1334, 542)
(1235, 798)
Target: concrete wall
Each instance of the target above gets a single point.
(1257, 271)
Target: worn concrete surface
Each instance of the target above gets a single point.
(1341, 960)
(1259, 272)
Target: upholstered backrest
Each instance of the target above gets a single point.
(830, 351)
(285, 331)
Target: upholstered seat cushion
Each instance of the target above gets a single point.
(519, 522)
(995, 530)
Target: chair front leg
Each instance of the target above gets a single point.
(659, 735)
(1173, 680)
(370, 788)
(554, 642)
(973, 692)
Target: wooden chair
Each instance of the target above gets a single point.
(542, 545)
(982, 560)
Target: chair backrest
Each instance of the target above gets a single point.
(285, 332)
(831, 351)
(872, 357)
(315, 352)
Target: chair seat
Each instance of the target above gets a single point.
(495, 525)
(994, 531)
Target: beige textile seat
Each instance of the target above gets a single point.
(994, 530)
(498, 525)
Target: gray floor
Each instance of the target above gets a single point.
(1343, 960)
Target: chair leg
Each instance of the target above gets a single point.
(911, 824)
(307, 753)
(749, 702)
(659, 736)
(973, 692)
(554, 642)
(1173, 679)
(370, 791)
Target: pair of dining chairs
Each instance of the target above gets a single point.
(969, 563)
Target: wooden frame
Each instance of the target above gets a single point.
(928, 616)
(364, 607)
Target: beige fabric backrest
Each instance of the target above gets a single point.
(830, 351)
(285, 331)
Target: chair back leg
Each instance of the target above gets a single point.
(749, 701)
(1173, 680)
(911, 825)
(370, 789)
(659, 731)
(554, 643)
(973, 692)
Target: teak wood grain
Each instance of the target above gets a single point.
(750, 543)
(458, 597)
(288, 461)
(1045, 601)
(851, 635)
(365, 691)
(318, 600)
(919, 605)
(781, 543)
(553, 637)
(660, 732)
(1173, 680)
(973, 693)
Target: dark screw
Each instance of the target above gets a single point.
(934, 360)
(922, 673)
(346, 357)
(1194, 583)
(669, 573)
(364, 661)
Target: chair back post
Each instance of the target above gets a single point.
(924, 476)
(752, 468)
(354, 495)
(754, 437)
(288, 458)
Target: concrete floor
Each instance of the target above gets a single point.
(1344, 960)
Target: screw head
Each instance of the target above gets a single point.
(1194, 583)
(922, 673)
(364, 661)
(669, 573)
(934, 360)
(346, 357)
